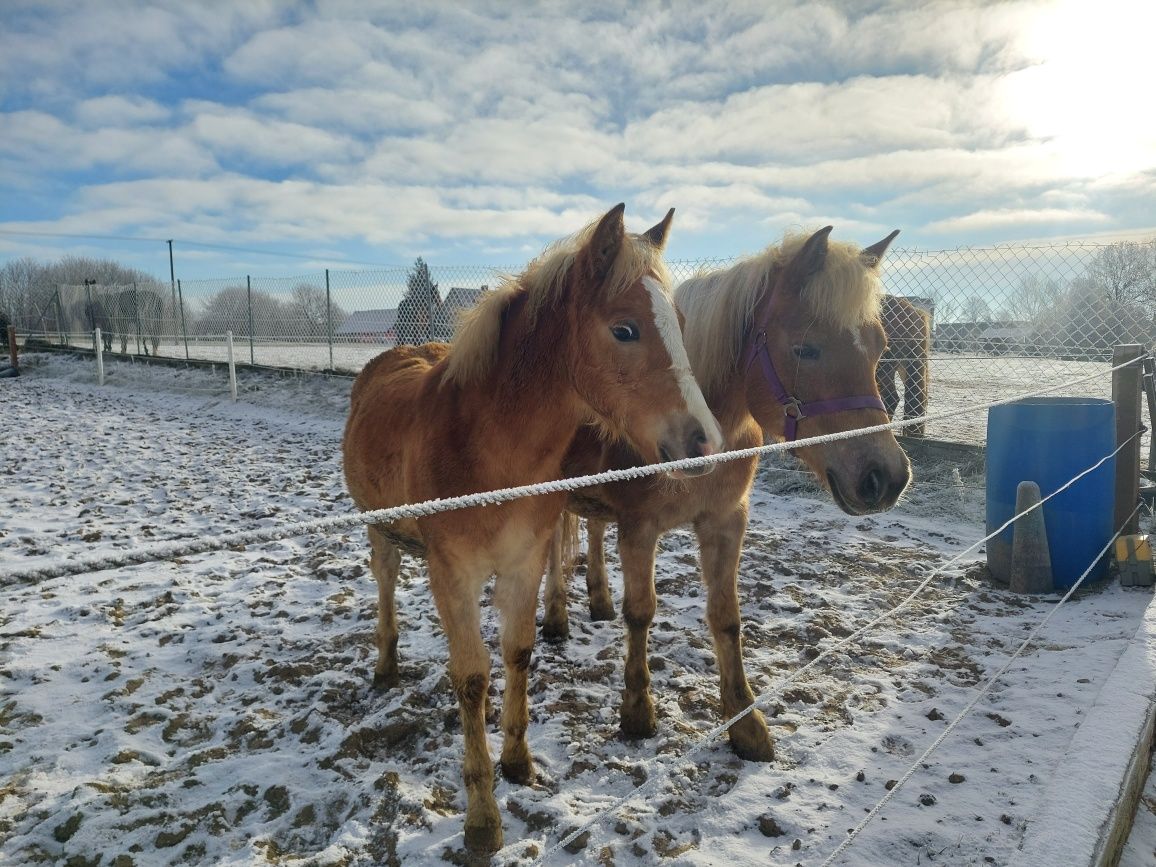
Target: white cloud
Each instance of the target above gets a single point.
(1015, 218)
(230, 132)
(105, 111)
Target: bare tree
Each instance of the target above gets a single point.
(1125, 272)
(1034, 298)
(309, 312)
(975, 309)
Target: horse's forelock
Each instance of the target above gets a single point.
(846, 292)
(543, 282)
(720, 305)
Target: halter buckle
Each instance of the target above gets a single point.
(793, 408)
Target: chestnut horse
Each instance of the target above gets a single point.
(784, 345)
(587, 333)
(907, 356)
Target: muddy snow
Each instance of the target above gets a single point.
(218, 709)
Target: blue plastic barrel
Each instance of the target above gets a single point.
(1048, 440)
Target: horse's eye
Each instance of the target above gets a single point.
(624, 332)
(806, 352)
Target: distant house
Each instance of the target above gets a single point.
(958, 336)
(1004, 338)
(459, 299)
(369, 326)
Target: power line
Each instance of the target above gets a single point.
(206, 244)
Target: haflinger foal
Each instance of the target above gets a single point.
(784, 345)
(587, 334)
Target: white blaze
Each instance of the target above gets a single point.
(666, 319)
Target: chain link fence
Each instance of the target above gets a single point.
(964, 326)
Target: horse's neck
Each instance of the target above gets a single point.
(528, 403)
(731, 406)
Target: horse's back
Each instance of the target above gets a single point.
(383, 428)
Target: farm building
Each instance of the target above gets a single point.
(369, 326)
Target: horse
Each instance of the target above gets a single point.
(95, 315)
(908, 330)
(587, 333)
(783, 344)
(135, 311)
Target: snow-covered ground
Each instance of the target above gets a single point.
(218, 709)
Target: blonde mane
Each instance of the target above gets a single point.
(719, 306)
(478, 332)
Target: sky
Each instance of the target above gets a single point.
(277, 138)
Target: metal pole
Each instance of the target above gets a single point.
(1126, 396)
(59, 319)
(136, 316)
(249, 293)
(98, 348)
(232, 366)
(329, 318)
(172, 278)
(184, 330)
(91, 310)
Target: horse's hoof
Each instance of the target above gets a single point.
(520, 771)
(750, 739)
(601, 611)
(639, 720)
(485, 838)
(754, 750)
(555, 631)
(383, 680)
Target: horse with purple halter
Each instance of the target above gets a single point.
(807, 311)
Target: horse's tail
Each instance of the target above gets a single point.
(568, 528)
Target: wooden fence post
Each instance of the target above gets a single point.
(12, 353)
(1126, 396)
(1150, 393)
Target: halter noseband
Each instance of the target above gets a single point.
(793, 408)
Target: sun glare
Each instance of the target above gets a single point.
(1089, 92)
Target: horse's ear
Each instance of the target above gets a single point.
(605, 243)
(810, 259)
(872, 255)
(656, 235)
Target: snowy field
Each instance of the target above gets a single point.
(956, 379)
(218, 709)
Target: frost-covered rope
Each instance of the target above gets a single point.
(980, 693)
(763, 698)
(203, 544)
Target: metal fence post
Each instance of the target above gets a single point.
(249, 295)
(136, 316)
(329, 318)
(232, 366)
(1126, 396)
(184, 328)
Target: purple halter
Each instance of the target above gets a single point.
(793, 408)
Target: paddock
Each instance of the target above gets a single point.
(217, 709)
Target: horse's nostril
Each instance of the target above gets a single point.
(872, 486)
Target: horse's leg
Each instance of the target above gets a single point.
(720, 539)
(597, 585)
(885, 373)
(456, 597)
(636, 550)
(385, 563)
(516, 596)
(556, 620)
(915, 393)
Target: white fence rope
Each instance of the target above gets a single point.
(979, 695)
(203, 544)
(761, 700)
